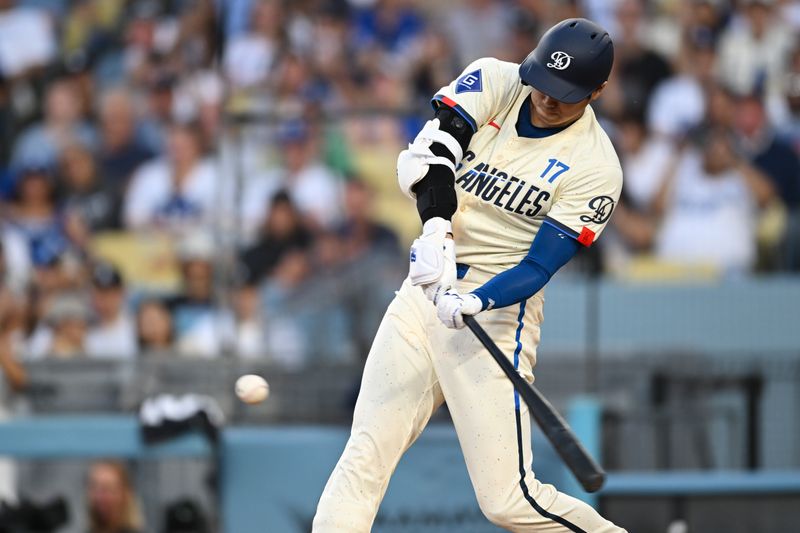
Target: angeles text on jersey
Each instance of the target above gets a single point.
(496, 186)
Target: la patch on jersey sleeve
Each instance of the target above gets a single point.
(585, 204)
(481, 90)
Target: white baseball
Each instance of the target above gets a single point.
(252, 389)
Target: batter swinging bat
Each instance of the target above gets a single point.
(590, 475)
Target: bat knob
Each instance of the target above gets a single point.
(594, 482)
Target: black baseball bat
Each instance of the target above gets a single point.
(586, 470)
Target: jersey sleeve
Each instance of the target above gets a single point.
(480, 92)
(585, 203)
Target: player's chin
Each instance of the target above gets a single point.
(552, 116)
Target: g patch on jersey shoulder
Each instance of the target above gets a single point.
(471, 82)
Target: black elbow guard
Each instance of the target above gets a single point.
(451, 122)
(436, 194)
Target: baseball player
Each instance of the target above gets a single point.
(512, 176)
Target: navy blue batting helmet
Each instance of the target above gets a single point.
(572, 59)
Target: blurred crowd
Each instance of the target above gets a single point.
(202, 178)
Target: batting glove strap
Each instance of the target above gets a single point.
(452, 307)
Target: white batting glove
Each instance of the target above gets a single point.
(453, 306)
(428, 261)
(448, 279)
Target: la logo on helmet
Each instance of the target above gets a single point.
(560, 59)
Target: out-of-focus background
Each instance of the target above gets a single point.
(191, 190)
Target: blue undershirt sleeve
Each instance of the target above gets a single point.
(551, 249)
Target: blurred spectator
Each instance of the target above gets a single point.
(287, 339)
(333, 45)
(678, 103)
(48, 280)
(159, 110)
(386, 33)
(155, 332)
(111, 502)
(250, 57)
(754, 49)
(360, 233)
(372, 261)
(113, 334)
(248, 339)
(434, 62)
(294, 86)
(27, 39)
(149, 35)
(768, 152)
(34, 216)
(41, 144)
(479, 28)
(201, 98)
(313, 188)
(710, 193)
(637, 69)
(527, 22)
(87, 199)
(283, 231)
(776, 158)
(236, 17)
(706, 19)
(790, 12)
(720, 109)
(62, 335)
(196, 42)
(175, 192)
(199, 326)
(600, 11)
(644, 161)
(89, 26)
(783, 103)
(334, 313)
(120, 149)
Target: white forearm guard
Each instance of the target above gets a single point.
(413, 163)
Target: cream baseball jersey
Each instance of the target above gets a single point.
(509, 185)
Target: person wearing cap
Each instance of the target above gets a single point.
(113, 335)
(511, 178)
(62, 335)
(34, 217)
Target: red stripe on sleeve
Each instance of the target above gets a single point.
(448, 102)
(586, 237)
